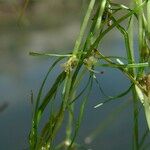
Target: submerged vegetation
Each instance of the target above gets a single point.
(85, 60)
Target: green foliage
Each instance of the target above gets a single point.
(83, 60)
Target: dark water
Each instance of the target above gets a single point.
(20, 73)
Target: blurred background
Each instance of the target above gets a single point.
(53, 25)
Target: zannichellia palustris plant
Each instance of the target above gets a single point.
(100, 18)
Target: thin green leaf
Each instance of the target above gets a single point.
(49, 54)
(81, 93)
(83, 27)
(78, 123)
(115, 97)
(51, 93)
(43, 83)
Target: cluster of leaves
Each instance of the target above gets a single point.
(82, 62)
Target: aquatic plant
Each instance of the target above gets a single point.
(101, 17)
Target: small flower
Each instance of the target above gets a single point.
(145, 82)
(70, 64)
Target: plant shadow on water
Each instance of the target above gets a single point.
(106, 128)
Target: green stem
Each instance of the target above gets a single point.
(148, 16)
(136, 9)
(75, 52)
(83, 27)
(140, 34)
(71, 109)
(49, 54)
(128, 66)
(135, 127)
(98, 20)
(69, 125)
(134, 94)
(140, 20)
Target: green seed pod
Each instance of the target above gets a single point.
(145, 53)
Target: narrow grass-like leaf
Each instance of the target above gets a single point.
(127, 66)
(44, 81)
(83, 27)
(78, 123)
(122, 94)
(100, 88)
(81, 92)
(33, 133)
(49, 54)
(51, 93)
(147, 109)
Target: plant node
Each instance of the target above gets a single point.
(145, 83)
(70, 64)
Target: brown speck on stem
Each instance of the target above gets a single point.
(145, 83)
